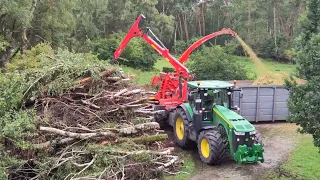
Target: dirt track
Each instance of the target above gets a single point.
(279, 141)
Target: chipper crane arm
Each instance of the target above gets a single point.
(136, 30)
(185, 56)
(173, 88)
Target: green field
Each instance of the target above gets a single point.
(302, 163)
(271, 66)
(143, 77)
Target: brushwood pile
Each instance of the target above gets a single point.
(71, 116)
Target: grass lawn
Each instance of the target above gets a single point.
(187, 170)
(143, 77)
(162, 63)
(302, 163)
(271, 66)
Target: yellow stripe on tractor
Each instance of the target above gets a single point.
(216, 111)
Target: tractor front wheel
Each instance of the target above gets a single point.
(180, 128)
(211, 147)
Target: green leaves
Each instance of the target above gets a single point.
(304, 100)
(212, 63)
(14, 123)
(137, 54)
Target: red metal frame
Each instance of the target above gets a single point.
(136, 30)
(173, 88)
(185, 56)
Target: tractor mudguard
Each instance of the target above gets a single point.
(209, 127)
(186, 111)
(193, 134)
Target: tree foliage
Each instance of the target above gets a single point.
(213, 63)
(267, 26)
(138, 54)
(304, 100)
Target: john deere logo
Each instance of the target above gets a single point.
(246, 139)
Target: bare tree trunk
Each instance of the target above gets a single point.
(275, 27)
(175, 35)
(215, 39)
(198, 18)
(186, 26)
(203, 19)
(163, 7)
(180, 24)
(249, 16)
(24, 39)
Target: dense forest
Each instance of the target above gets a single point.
(83, 26)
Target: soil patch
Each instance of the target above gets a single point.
(278, 144)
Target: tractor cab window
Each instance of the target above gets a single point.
(208, 99)
(217, 97)
(221, 97)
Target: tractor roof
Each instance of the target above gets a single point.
(210, 84)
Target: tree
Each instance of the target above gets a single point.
(304, 100)
(212, 63)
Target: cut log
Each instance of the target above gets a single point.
(137, 101)
(170, 163)
(90, 104)
(149, 112)
(53, 142)
(139, 127)
(113, 79)
(76, 135)
(150, 139)
(135, 91)
(103, 74)
(168, 151)
(121, 92)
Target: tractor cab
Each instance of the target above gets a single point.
(210, 93)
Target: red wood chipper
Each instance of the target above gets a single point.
(199, 111)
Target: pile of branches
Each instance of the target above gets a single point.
(100, 129)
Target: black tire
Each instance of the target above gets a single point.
(258, 139)
(225, 139)
(216, 147)
(161, 118)
(183, 142)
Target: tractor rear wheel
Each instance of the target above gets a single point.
(162, 117)
(211, 147)
(180, 128)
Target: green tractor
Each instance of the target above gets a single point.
(210, 120)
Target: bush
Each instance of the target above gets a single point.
(213, 63)
(137, 54)
(14, 123)
(180, 46)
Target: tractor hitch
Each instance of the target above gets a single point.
(246, 154)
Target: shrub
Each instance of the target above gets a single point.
(213, 63)
(137, 54)
(14, 123)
